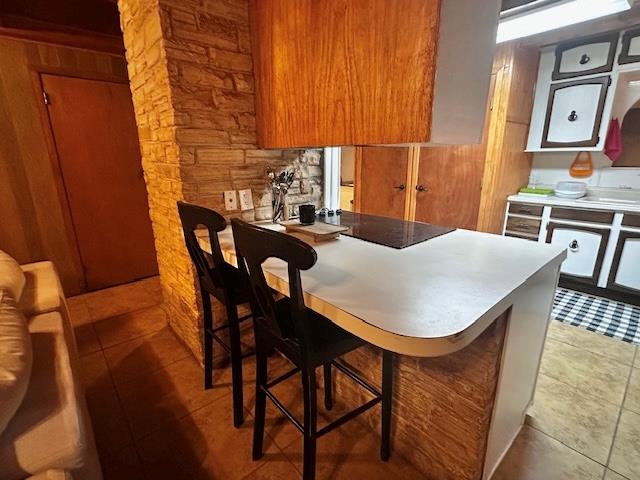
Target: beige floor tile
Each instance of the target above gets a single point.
(122, 465)
(611, 475)
(594, 342)
(536, 456)
(144, 355)
(204, 444)
(636, 362)
(86, 339)
(108, 420)
(352, 451)
(580, 421)
(78, 311)
(274, 471)
(625, 455)
(588, 372)
(632, 400)
(118, 300)
(94, 372)
(128, 326)
(151, 400)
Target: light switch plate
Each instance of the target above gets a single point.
(246, 199)
(230, 200)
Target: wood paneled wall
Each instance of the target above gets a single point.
(34, 219)
(507, 165)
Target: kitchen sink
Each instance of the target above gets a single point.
(617, 196)
(596, 199)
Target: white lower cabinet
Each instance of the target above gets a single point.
(625, 271)
(585, 249)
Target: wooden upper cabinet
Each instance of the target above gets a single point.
(358, 72)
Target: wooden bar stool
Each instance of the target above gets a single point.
(220, 280)
(306, 338)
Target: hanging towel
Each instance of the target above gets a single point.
(613, 144)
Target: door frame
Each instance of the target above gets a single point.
(611, 281)
(597, 268)
(54, 159)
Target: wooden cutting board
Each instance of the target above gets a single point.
(320, 231)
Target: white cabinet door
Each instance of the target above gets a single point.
(574, 113)
(625, 273)
(585, 56)
(585, 249)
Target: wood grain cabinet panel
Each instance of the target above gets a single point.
(526, 209)
(595, 216)
(529, 226)
(364, 72)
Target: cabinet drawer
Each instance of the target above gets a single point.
(630, 47)
(630, 220)
(515, 235)
(585, 250)
(595, 216)
(526, 209)
(523, 225)
(574, 113)
(585, 56)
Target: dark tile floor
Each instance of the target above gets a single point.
(153, 420)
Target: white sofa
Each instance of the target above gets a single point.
(49, 437)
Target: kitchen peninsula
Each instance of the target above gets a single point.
(474, 306)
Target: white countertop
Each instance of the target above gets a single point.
(567, 202)
(429, 299)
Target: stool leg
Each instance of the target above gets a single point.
(261, 402)
(236, 364)
(387, 397)
(328, 395)
(207, 339)
(309, 388)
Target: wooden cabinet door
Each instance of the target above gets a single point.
(630, 47)
(383, 177)
(574, 113)
(585, 250)
(96, 139)
(448, 188)
(625, 271)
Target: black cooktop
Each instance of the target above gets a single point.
(385, 231)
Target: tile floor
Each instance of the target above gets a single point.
(153, 420)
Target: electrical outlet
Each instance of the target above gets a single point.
(230, 200)
(246, 199)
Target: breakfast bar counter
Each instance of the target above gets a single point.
(476, 306)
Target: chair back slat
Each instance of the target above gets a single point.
(210, 267)
(254, 245)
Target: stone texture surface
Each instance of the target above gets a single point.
(190, 70)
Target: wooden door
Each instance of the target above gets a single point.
(585, 250)
(449, 180)
(95, 135)
(382, 177)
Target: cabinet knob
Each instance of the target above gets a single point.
(573, 116)
(421, 188)
(400, 187)
(584, 59)
(573, 246)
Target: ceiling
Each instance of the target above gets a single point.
(85, 16)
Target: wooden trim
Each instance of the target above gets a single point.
(74, 73)
(99, 43)
(611, 38)
(626, 44)
(595, 216)
(630, 220)
(410, 198)
(611, 282)
(593, 141)
(599, 292)
(357, 180)
(593, 280)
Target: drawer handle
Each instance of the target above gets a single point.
(421, 188)
(523, 225)
(525, 210)
(584, 59)
(400, 187)
(573, 246)
(573, 116)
